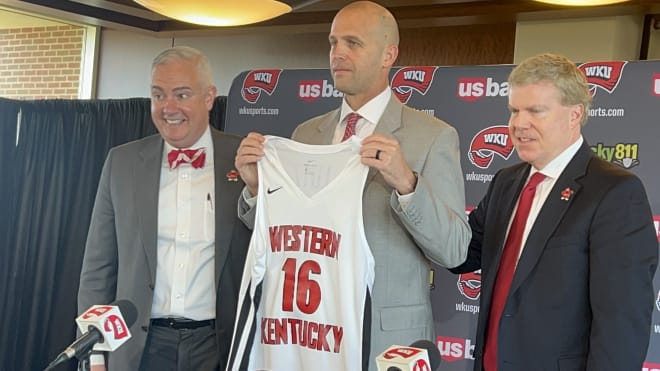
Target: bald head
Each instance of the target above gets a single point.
(380, 21)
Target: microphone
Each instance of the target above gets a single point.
(422, 355)
(104, 329)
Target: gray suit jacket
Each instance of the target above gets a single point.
(433, 228)
(120, 253)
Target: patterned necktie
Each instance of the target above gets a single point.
(195, 157)
(506, 270)
(351, 121)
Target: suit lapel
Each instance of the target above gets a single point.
(551, 214)
(146, 184)
(327, 128)
(390, 122)
(224, 221)
(503, 215)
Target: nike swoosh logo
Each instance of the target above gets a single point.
(269, 191)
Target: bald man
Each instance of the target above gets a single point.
(413, 200)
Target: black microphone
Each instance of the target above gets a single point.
(106, 325)
(432, 351)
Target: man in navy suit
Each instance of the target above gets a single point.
(580, 292)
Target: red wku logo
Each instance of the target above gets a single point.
(117, 325)
(96, 312)
(408, 79)
(490, 141)
(402, 352)
(469, 284)
(257, 81)
(421, 365)
(604, 75)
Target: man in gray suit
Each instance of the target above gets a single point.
(414, 202)
(164, 233)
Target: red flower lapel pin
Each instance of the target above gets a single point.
(232, 175)
(566, 194)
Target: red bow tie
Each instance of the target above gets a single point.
(195, 157)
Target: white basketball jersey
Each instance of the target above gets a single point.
(309, 270)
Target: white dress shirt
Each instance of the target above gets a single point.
(185, 271)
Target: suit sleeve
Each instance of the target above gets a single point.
(623, 255)
(435, 216)
(98, 278)
(477, 222)
(246, 212)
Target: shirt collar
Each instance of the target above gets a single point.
(370, 111)
(555, 167)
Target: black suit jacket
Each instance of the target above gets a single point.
(582, 294)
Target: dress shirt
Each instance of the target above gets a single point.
(185, 271)
(552, 171)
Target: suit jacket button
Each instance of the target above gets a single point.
(151, 286)
(145, 328)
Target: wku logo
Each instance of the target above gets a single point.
(401, 352)
(469, 284)
(604, 75)
(489, 142)
(257, 81)
(96, 312)
(415, 78)
(115, 325)
(421, 365)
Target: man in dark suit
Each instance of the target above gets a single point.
(569, 285)
(413, 201)
(164, 233)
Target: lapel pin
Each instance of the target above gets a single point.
(232, 176)
(566, 194)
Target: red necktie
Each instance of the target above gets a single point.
(195, 157)
(507, 268)
(351, 120)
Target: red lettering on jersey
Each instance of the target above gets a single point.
(310, 239)
(307, 334)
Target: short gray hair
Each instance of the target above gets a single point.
(186, 53)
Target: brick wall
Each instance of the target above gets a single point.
(40, 62)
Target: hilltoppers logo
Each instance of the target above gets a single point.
(472, 88)
(469, 284)
(455, 349)
(407, 79)
(116, 326)
(604, 75)
(257, 81)
(491, 141)
(311, 90)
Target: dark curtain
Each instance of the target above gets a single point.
(48, 190)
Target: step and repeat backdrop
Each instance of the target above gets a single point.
(624, 128)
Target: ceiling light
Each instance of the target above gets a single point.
(218, 12)
(581, 2)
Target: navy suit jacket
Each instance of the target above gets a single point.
(582, 294)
